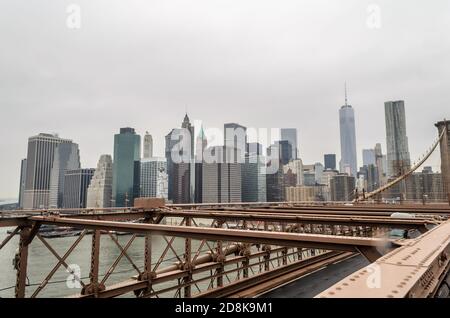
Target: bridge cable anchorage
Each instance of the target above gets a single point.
(403, 176)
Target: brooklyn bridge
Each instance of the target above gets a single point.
(359, 248)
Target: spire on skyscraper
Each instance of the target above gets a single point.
(201, 133)
(186, 122)
(345, 88)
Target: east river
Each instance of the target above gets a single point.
(41, 262)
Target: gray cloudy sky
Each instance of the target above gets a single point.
(260, 63)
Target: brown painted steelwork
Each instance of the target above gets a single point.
(256, 242)
(414, 270)
(331, 242)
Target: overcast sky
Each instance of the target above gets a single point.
(260, 63)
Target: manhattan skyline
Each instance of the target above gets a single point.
(284, 74)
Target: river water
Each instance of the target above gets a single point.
(41, 261)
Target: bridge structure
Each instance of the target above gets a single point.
(245, 249)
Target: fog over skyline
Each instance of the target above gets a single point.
(259, 63)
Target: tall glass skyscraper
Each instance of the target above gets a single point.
(253, 182)
(126, 168)
(348, 140)
(330, 161)
(398, 159)
(368, 157)
(290, 135)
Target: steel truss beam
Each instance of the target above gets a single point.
(326, 242)
(414, 270)
(265, 225)
(203, 264)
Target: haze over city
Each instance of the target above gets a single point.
(144, 64)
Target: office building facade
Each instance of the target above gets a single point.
(254, 179)
(296, 168)
(99, 193)
(66, 157)
(148, 145)
(23, 174)
(180, 156)
(305, 193)
(222, 180)
(40, 154)
(330, 161)
(127, 153)
(398, 158)
(380, 163)
(342, 187)
(348, 162)
(369, 157)
(290, 135)
(76, 183)
(153, 178)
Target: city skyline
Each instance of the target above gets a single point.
(278, 138)
(300, 83)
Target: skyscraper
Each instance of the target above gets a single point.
(398, 159)
(180, 156)
(281, 150)
(66, 157)
(221, 179)
(330, 161)
(380, 162)
(368, 157)
(76, 183)
(210, 181)
(235, 138)
(169, 145)
(23, 174)
(348, 139)
(275, 188)
(200, 147)
(275, 179)
(230, 180)
(285, 149)
(254, 178)
(370, 176)
(127, 153)
(191, 183)
(255, 148)
(99, 193)
(296, 168)
(41, 151)
(318, 172)
(153, 176)
(290, 135)
(148, 145)
(342, 188)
